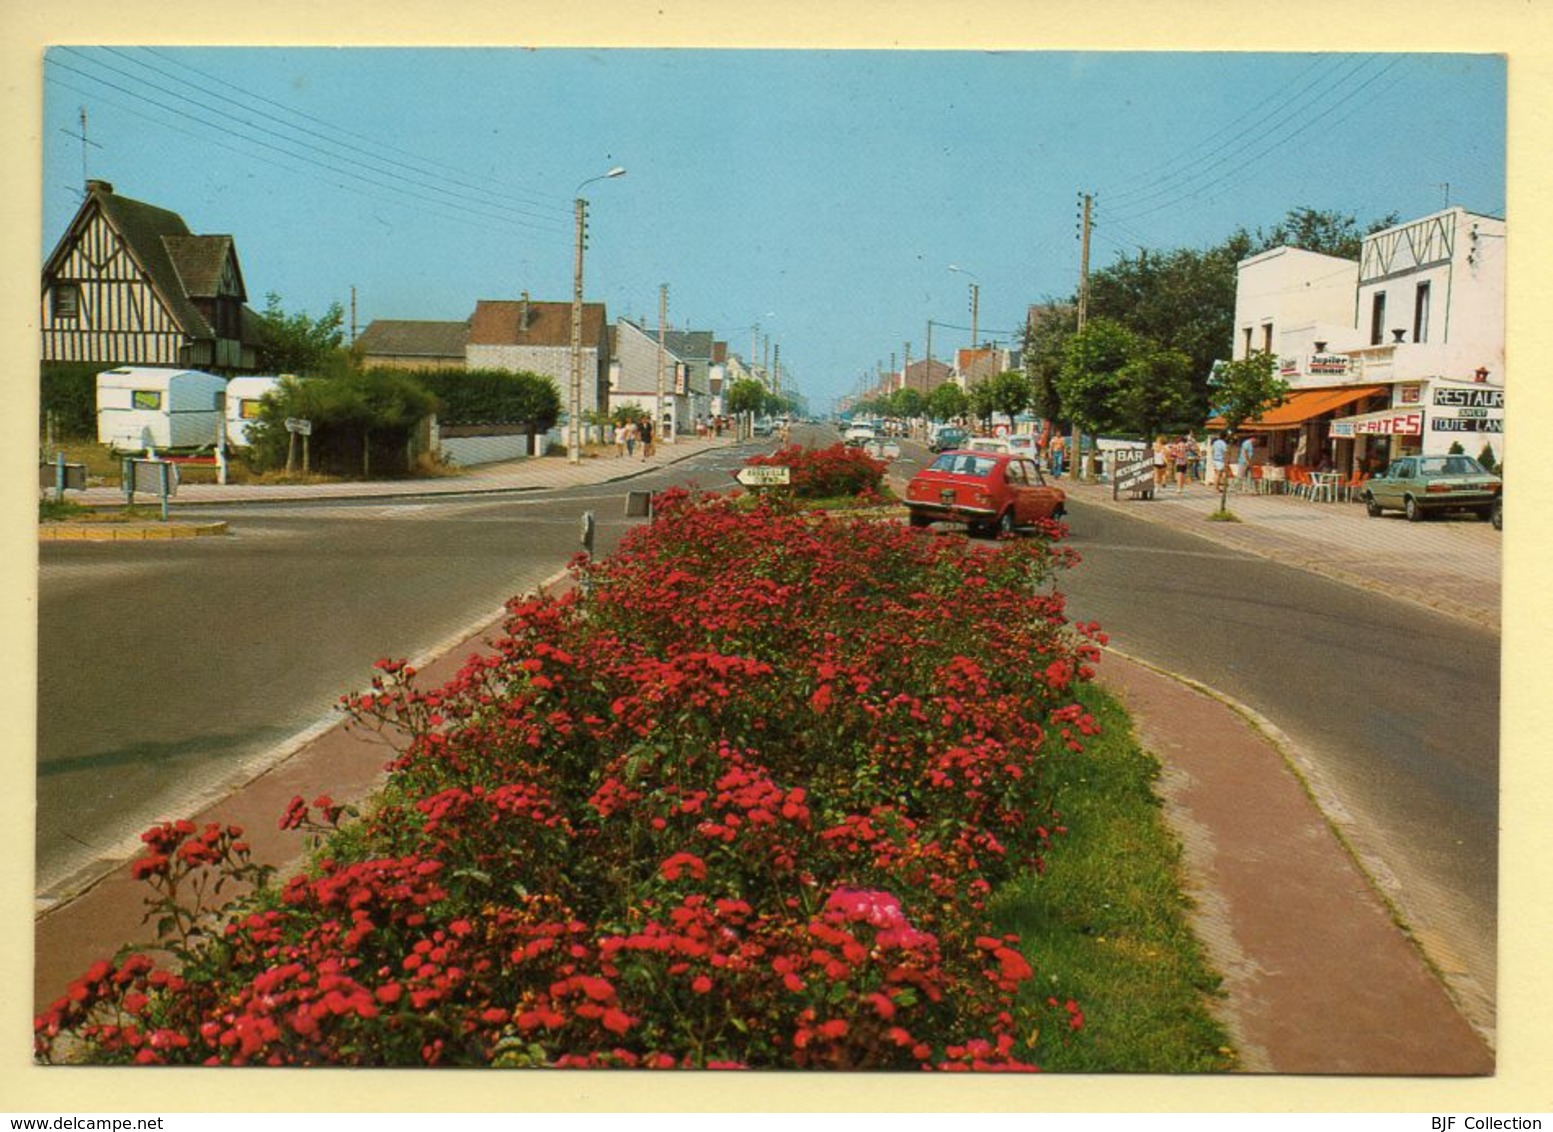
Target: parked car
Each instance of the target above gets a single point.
(988, 492)
(762, 427)
(1422, 485)
(948, 437)
(858, 435)
(1023, 444)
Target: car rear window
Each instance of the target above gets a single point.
(965, 464)
(1449, 466)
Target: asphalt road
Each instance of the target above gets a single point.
(170, 670)
(1393, 711)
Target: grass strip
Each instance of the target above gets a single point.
(1106, 924)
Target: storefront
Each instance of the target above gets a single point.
(1297, 430)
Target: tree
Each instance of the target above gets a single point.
(1092, 362)
(299, 344)
(981, 403)
(1329, 233)
(946, 402)
(1009, 392)
(907, 404)
(1154, 393)
(746, 395)
(1045, 336)
(1242, 389)
(359, 421)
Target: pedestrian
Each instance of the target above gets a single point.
(1217, 455)
(1193, 458)
(646, 440)
(1178, 458)
(1059, 453)
(1247, 451)
(631, 434)
(1161, 456)
(620, 441)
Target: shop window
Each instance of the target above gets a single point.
(1421, 313)
(1378, 318)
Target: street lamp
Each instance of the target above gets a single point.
(574, 431)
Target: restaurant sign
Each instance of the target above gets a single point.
(1329, 365)
(1479, 398)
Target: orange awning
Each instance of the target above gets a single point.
(1303, 405)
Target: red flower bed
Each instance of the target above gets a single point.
(739, 801)
(827, 473)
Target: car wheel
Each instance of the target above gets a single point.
(1005, 526)
(1496, 514)
(1412, 510)
(1371, 508)
(918, 520)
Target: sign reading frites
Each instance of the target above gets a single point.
(764, 475)
(1403, 422)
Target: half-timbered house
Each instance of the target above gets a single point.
(129, 284)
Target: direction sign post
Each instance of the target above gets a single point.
(764, 475)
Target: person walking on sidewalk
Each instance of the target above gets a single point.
(1218, 455)
(620, 441)
(646, 440)
(631, 434)
(1059, 449)
(1161, 458)
(1178, 457)
(1247, 450)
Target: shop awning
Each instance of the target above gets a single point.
(1304, 405)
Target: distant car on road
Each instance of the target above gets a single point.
(987, 492)
(762, 428)
(948, 437)
(858, 435)
(1419, 486)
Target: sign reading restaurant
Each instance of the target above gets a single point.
(1470, 398)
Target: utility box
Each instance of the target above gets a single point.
(141, 407)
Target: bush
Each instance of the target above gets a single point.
(827, 473)
(363, 423)
(489, 396)
(738, 800)
(68, 392)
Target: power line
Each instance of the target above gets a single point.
(1248, 163)
(260, 141)
(547, 201)
(271, 161)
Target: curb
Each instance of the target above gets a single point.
(116, 532)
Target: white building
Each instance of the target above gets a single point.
(1400, 352)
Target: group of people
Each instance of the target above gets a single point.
(628, 434)
(1183, 457)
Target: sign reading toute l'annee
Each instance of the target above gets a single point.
(764, 475)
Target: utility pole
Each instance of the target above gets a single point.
(1083, 311)
(353, 314)
(906, 366)
(776, 369)
(975, 306)
(574, 401)
(930, 349)
(663, 314)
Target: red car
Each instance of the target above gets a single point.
(990, 492)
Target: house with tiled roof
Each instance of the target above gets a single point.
(528, 336)
(413, 344)
(129, 284)
(687, 365)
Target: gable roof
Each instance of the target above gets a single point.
(495, 322)
(200, 262)
(414, 338)
(162, 247)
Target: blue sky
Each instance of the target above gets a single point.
(822, 194)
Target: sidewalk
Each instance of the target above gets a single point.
(1318, 978)
(534, 473)
(1450, 564)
